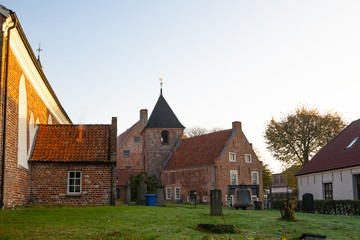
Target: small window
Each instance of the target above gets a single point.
(177, 193)
(282, 179)
(276, 179)
(137, 139)
(328, 191)
(168, 193)
(165, 137)
(126, 153)
(205, 199)
(248, 158)
(255, 178)
(233, 177)
(232, 157)
(352, 143)
(74, 182)
(128, 167)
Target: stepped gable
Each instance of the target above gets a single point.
(72, 143)
(162, 116)
(334, 154)
(197, 151)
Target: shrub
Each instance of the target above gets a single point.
(288, 207)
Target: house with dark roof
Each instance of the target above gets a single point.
(215, 160)
(334, 172)
(74, 165)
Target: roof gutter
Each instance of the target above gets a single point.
(4, 113)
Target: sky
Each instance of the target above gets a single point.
(220, 61)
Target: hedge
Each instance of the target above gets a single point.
(337, 207)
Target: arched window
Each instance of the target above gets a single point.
(165, 137)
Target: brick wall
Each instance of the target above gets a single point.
(16, 183)
(49, 184)
(156, 152)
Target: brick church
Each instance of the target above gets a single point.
(44, 158)
(157, 146)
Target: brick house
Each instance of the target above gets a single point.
(210, 161)
(334, 171)
(74, 164)
(27, 104)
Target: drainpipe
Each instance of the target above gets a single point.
(214, 176)
(4, 112)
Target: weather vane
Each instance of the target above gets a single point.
(161, 83)
(39, 50)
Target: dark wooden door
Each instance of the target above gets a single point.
(357, 182)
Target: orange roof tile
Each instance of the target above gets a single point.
(72, 143)
(198, 151)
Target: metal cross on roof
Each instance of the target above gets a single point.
(39, 50)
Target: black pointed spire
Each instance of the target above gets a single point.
(162, 116)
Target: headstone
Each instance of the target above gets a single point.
(243, 199)
(128, 195)
(308, 203)
(141, 192)
(215, 202)
(160, 201)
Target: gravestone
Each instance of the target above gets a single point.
(243, 199)
(308, 203)
(215, 202)
(141, 192)
(128, 195)
(160, 201)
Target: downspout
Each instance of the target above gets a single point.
(5, 111)
(214, 176)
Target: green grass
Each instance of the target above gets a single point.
(171, 222)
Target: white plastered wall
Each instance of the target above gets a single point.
(342, 180)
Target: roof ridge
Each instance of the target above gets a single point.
(209, 133)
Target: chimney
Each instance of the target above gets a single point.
(143, 117)
(80, 134)
(236, 126)
(113, 139)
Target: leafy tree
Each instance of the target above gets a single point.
(267, 176)
(296, 137)
(150, 181)
(197, 131)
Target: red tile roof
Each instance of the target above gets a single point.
(122, 137)
(333, 155)
(198, 151)
(72, 143)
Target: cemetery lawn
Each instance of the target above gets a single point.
(172, 222)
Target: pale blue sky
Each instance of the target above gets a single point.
(221, 61)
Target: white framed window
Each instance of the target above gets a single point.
(248, 158)
(233, 177)
(255, 178)
(168, 193)
(232, 157)
(74, 182)
(177, 193)
(126, 153)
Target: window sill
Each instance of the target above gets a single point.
(73, 195)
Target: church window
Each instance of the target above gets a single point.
(137, 139)
(232, 157)
(177, 193)
(168, 193)
(165, 137)
(126, 153)
(74, 182)
(255, 178)
(233, 177)
(248, 158)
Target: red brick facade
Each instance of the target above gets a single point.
(204, 178)
(49, 184)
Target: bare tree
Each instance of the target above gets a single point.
(196, 131)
